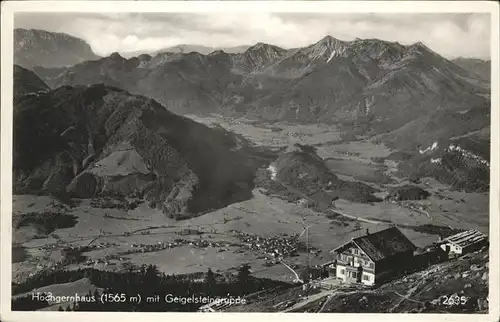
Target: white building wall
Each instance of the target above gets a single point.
(370, 280)
(341, 275)
(454, 249)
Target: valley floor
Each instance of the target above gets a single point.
(117, 239)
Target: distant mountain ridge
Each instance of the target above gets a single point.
(476, 66)
(368, 87)
(349, 80)
(34, 47)
(187, 48)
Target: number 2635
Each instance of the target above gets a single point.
(453, 300)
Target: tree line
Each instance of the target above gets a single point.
(146, 281)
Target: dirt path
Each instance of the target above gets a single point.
(410, 292)
(370, 221)
(329, 297)
(309, 299)
(330, 294)
(425, 212)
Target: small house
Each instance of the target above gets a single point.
(464, 242)
(374, 257)
(302, 202)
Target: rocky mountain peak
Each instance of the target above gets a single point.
(31, 34)
(328, 39)
(419, 48)
(217, 53)
(264, 48)
(116, 56)
(259, 55)
(376, 49)
(327, 48)
(34, 47)
(144, 57)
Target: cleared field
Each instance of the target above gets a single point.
(360, 151)
(385, 214)
(22, 204)
(358, 170)
(120, 163)
(275, 135)
(80, 287)
(24, 234)
(383, 211)
(184, 260)
(457, 208)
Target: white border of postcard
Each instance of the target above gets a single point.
(10, 7)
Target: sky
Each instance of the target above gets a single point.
(449, 34)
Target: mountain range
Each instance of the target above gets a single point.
(475, 66)
(187, 48)
(33, 47)
(401, 95)
(328, 81)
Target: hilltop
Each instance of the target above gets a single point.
(89, 141)
(26, 81)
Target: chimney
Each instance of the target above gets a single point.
(367, 231)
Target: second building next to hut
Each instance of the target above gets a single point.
(464, 242)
